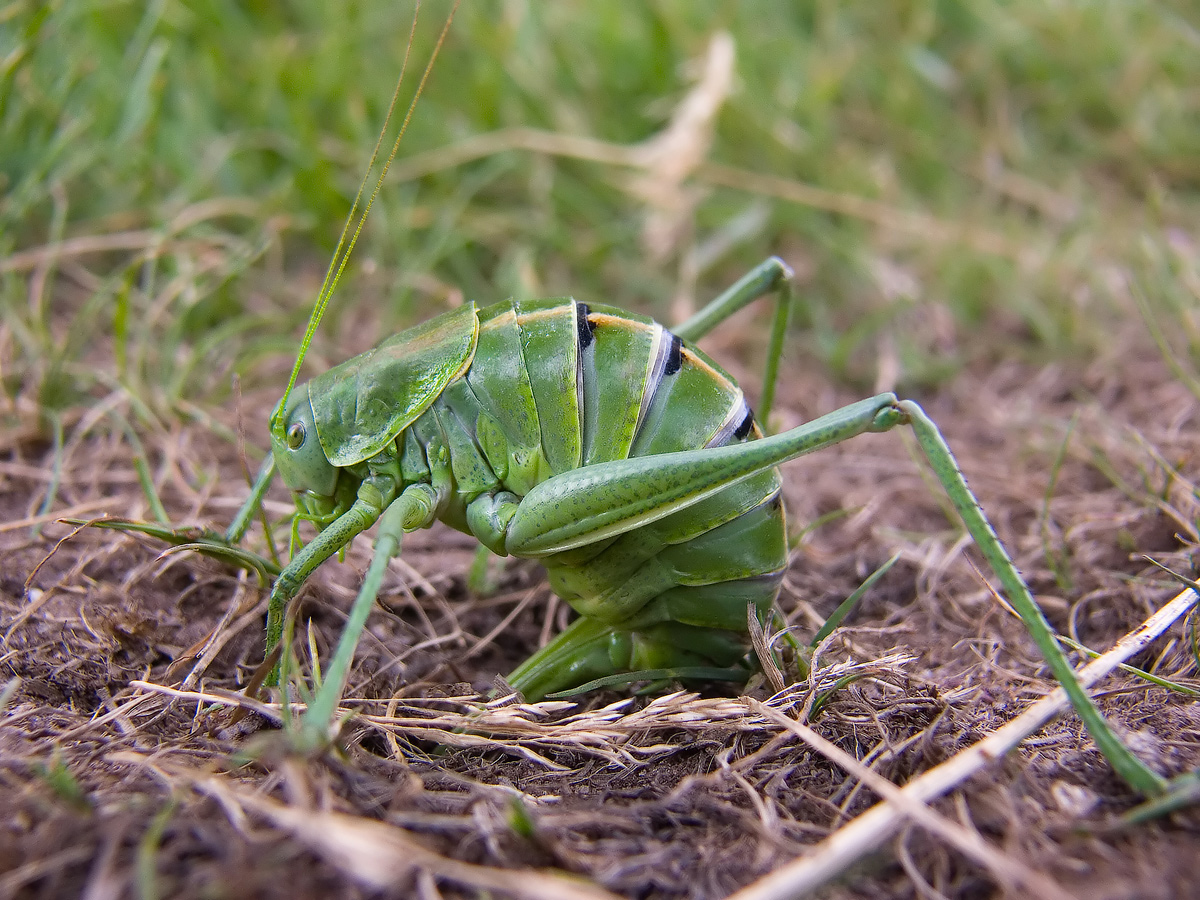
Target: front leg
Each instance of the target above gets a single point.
(416, 507)
(358, 518)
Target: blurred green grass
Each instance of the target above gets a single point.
(1031, 167)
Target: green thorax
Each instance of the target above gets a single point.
(360, 406)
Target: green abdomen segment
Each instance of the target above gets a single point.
(556, 385)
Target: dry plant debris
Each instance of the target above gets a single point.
(122, 772)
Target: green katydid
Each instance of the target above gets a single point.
(607, 447)
(611, 450)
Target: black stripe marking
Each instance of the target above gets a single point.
(747, 424)
(674, 356)
(583, 325)
(656, 372)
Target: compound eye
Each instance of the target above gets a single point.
(296, 435)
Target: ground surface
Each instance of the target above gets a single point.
(113, 785)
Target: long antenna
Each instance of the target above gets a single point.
(341, 254)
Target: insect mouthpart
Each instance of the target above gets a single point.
(319, 508)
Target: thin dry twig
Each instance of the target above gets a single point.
(673, 155)
(636, 156)
(379, 855)
(1004, 867)
(843, 848)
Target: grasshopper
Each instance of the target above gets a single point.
(606, 446)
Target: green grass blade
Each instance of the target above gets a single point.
(318, 721)
(835, 619)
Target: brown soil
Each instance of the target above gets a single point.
(113, 788)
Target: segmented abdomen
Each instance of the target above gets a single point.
(556, 384)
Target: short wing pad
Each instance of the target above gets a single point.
(365, 402)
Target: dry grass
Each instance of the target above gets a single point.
(119, 783)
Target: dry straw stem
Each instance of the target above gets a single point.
(642, 156)
(679, 153)
(1008, 870)
(149, 242)
(79, 509)
(373, 853)
(833, 856)
(613, 733)
(671, 156)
